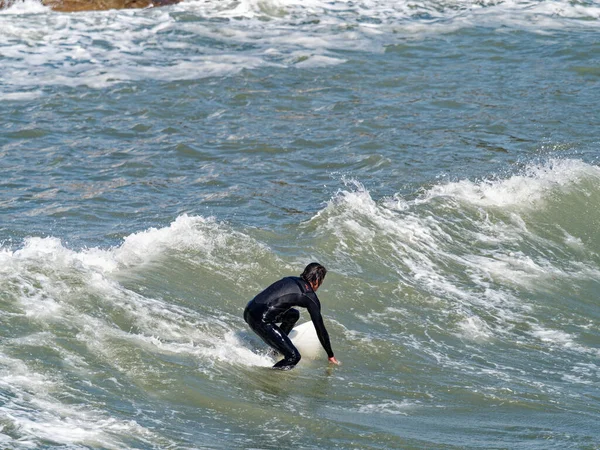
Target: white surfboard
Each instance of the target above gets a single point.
(304, 337)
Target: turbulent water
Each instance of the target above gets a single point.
(160, 167)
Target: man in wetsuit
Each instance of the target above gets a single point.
(275, 305)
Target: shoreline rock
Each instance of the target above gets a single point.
(95, 5)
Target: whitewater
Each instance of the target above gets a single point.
(160, 167)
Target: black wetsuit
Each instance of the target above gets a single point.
(275, 305)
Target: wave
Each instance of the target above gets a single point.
(184, 42)
(45, 280)
(112, 322)
(475, 242)
(483, 268)
(482, 256)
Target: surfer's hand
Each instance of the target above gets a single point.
(334, 361)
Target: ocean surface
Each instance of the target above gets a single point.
(160, 167)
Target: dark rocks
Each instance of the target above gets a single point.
(95, 5)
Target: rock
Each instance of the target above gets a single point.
(95, 5)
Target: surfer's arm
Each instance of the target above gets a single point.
(314, 310)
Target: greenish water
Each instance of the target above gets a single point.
(158, 168)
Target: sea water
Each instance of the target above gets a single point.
(160, 167)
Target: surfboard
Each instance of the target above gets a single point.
(304, 337)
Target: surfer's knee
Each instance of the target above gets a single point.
(293, 315)
(289, 319)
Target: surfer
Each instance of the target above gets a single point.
(275, 305)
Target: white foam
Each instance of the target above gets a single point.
(319, 61)
(20, 7)
(525, 190)
(37, 270)
(204, 237)
(470, 262)
(515, 268)
(475, 329)
(393, 407)
(185, 233)
(584, 373)
(235, 350)
(560, 339)
(569, 378)
(37, 414)
(20, 96)
(99, 49)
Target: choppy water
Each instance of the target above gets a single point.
(160, 167)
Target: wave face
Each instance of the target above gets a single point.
(471, 296)
(160, 167)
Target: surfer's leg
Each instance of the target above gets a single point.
(289, 319)
(276, 338)
(273, 336)
(291, 355)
